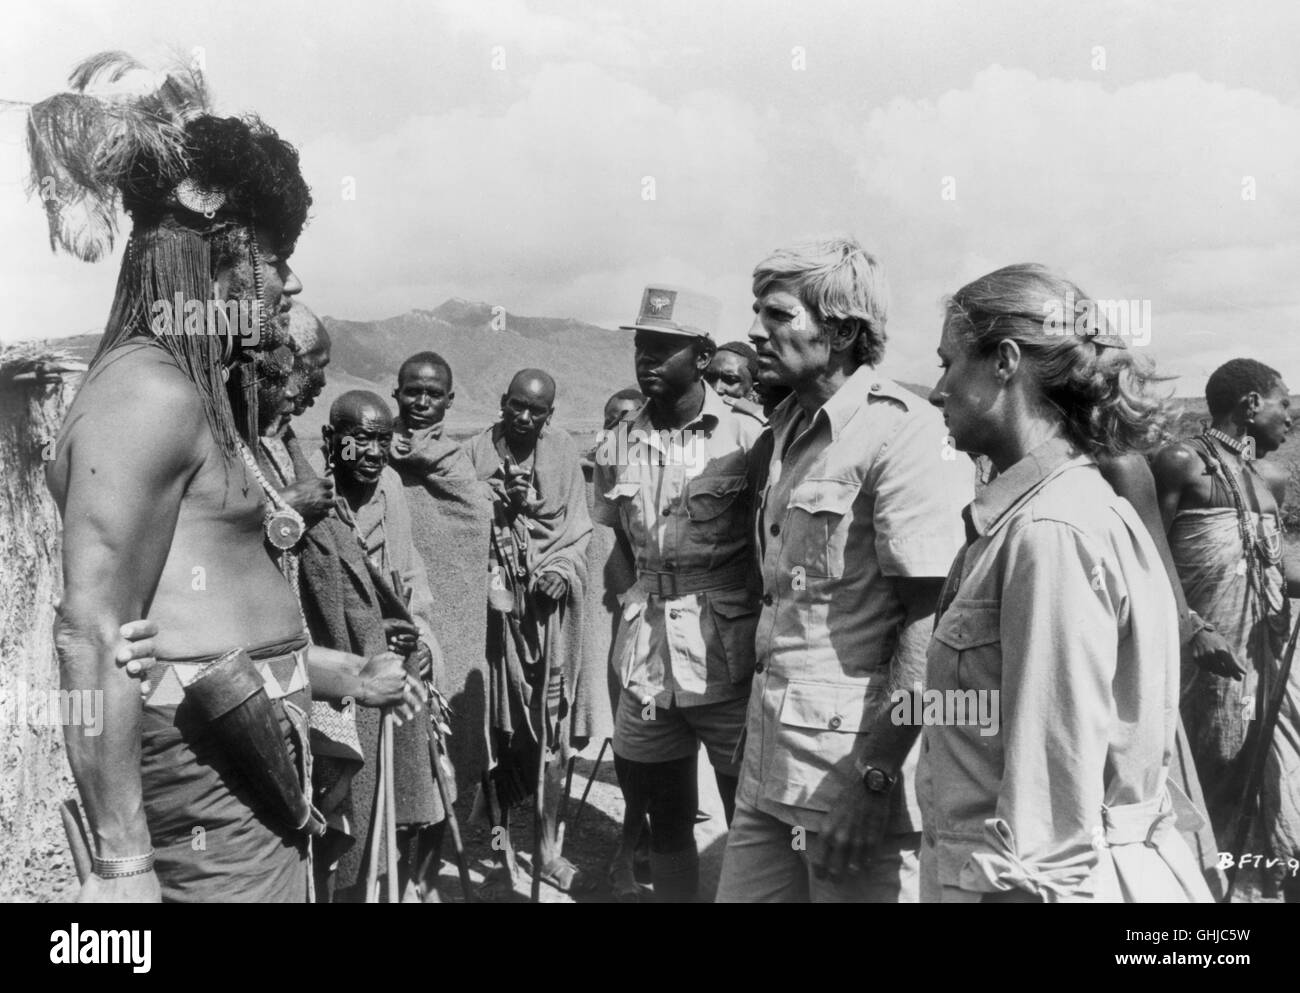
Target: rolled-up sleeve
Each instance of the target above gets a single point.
(1058, 622)
(603, 510)
(920, 488)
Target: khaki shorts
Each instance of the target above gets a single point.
(644, 733)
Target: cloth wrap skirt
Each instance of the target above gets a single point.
(213, 838)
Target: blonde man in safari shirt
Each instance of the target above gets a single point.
(856, 525)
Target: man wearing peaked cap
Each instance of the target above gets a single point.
(672, 310)
(672, 482)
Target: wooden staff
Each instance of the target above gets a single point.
(539, 805)
(582, 804)
(453, 825)
(377, 809)
(390, 804)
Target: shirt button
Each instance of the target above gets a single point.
(767, 599)
(776, 529)
(835, 722)
(758, 667)
(674, 614)
(875, 387)
(668, 511)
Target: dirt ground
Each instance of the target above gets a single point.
(591, 836)
(590, 839)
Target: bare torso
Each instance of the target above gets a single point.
(1185, 483)
(217, 587)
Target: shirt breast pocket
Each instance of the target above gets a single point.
(968, 640)
(820, 511)
(714, 506)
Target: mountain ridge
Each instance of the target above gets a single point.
(485, 345)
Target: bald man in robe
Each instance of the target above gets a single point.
(378, 597)
(540, 533)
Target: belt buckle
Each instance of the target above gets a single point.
(671, 591)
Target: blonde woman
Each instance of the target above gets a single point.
(1059, 604)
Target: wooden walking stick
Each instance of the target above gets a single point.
(453, 824)
(582, 804)
(539, 812)
(377, 809)
(390, 804)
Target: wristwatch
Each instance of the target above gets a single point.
(876, 780)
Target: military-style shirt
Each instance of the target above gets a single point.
(866, 490)
(686, 633)
(1061, 606)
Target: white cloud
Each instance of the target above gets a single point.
(537, 206)
(525, 187)
(1136, 192)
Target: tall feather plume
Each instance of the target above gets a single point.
(83, 143)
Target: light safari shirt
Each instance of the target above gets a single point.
(1059, 603)
(864, 491)
(682, 500)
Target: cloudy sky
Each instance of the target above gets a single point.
(500, 151)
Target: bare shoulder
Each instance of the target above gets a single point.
(1175, 465)
(1126, 472)
(137, 369)
(136, 398)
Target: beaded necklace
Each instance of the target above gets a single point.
(1245, 447)
(284, 526)
(1252, 562)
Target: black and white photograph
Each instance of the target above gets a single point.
(694, 452)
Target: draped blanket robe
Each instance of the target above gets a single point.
(555, 532)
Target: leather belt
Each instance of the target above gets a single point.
(675, 584)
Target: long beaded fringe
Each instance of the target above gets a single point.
(161, 264)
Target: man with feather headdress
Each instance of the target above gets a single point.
(166, 515)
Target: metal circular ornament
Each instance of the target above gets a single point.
(193, 197)
(284, 529)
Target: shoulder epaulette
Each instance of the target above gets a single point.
(749, 408)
